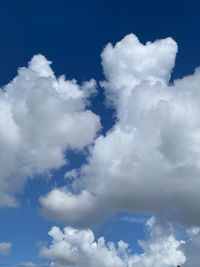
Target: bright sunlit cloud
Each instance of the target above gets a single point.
(41, 118)
(149, 161)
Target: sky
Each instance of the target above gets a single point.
(99, 133)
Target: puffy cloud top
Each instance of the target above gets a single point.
(78, 248)
(130, 63)
(41, 117)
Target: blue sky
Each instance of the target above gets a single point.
(72, 35)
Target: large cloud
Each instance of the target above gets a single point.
(149, 162)
(41, 117)
(78, 248)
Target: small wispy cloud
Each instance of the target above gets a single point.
(5, 248)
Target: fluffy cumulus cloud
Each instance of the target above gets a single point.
(149, 162)
(79, 248)
(5, 248)
(41, 118)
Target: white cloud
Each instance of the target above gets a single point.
(41, 118)
(78, 248)
(149, 161)
(78, 206)
(72, 174)
(130, 63)
(5, 248)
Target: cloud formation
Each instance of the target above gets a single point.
(78, 248)
(5, 248)
(149, 161)
(192, 247)
(41, 118)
